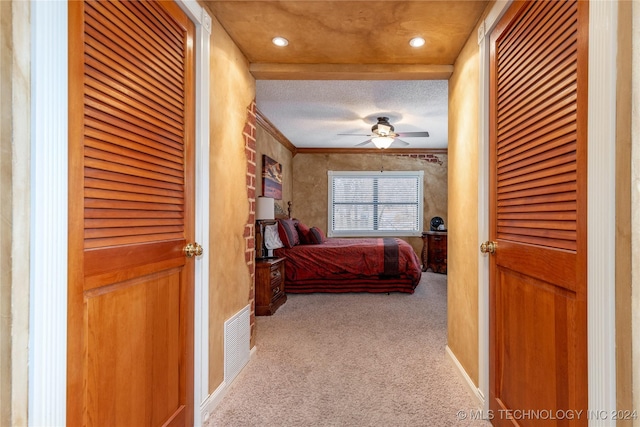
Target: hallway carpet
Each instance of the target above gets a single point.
(352, 360)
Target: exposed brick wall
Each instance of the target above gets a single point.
(430, 158)
(249, 134)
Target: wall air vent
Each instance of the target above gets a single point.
(237, 338)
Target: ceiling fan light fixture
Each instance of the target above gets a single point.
(416, 42)
(383, 127)
(382, 141)
(383, 130)
(280, 41)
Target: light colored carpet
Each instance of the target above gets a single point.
(351, 360)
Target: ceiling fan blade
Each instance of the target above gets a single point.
(354, 134)
(363, 143)
(400, 142)
(412, 134)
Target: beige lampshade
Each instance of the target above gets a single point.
(265, 208)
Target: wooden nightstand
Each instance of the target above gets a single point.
(270, 292)
(434, 251)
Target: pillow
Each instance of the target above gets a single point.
(288, 233)
(271, 237)
(303, 232)
(316, 236)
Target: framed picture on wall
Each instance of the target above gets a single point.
(271, 178)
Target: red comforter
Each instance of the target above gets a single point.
(358, 261)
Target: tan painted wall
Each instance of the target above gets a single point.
(635, 209)
(267, 144)
(310, 190)
(14, 210)
(624, 338)
(5, 211)
(462, 296)
(232, 91)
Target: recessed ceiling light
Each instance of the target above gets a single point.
(416, 42)
(280, 41)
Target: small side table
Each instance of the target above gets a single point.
(434, 251)
(270, 293)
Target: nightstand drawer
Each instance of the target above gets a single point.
(270, 286)
(276, 276)
(275, 289)
(434, 251)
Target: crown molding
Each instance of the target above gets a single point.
(274, 132)
(354, 150)
(267, 71)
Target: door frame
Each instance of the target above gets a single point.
(49, 205)
(603, 18)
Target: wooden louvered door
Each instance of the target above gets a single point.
(131, 213)
(538, 301)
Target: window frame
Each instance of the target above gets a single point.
(417, 174)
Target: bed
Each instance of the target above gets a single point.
(314, 263)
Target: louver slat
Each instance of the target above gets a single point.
(524, 63)
(110, 143)
(119, 158)
(119, 179)
(536, 130)
(103, 41)
(100, 62)
(134, 126)
(153, 50)
(120, 128)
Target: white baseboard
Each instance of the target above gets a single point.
(209, 405)
(475, 391)
(211, 402)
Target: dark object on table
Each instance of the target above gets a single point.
(436, 222)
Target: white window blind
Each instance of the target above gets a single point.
(374, 203)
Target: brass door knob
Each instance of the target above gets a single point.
(193, 249)
(488, 247)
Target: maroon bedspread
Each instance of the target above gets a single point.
(351, 265)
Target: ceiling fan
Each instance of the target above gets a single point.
(383, 135)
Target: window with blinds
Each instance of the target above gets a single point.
(373, 203)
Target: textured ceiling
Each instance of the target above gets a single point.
(349, 62)
(312, 114)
